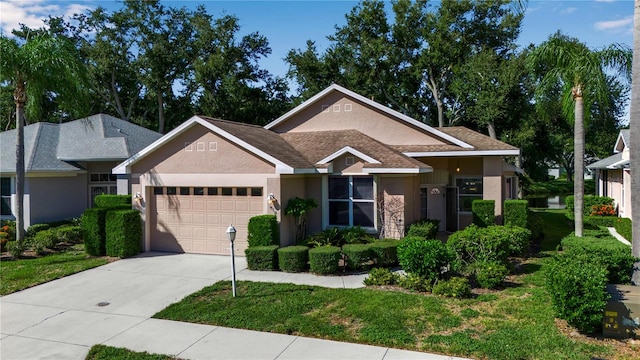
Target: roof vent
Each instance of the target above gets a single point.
(349, 160)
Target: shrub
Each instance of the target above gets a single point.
(328, 237)
(516, 213)
(491, 243)
(355, 235)
(588, 202)
(113, 201)
(456, 287)
(9, 229)
(425, 258)
(44, 239)
(93, 231)
(293, 258)
(16, 248)
(578, 291)
(35, 228)
(490, 274)
(484, 212)
(356, 255)
(69, 234)
(298, 208)
(427, 229)
(385, 252)
(610, 254)
(603, 210)
(324, 260)
(623, 227)
(263, 231)
(123, 233)
(414, 282)
(379, 277)
(262, 257)
(595, 221)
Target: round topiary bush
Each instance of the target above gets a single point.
(293, 258)
(356, 255)
(324, 260)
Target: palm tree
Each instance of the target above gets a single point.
(582, 73)
(634, 150)
(41, 65)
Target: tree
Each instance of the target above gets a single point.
(41, 64)
(634, 125)
(582, 75)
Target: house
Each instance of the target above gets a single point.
(365, 164)
(68, 164)
(613, 175)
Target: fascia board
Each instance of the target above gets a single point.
(463, 153)
(350, 150)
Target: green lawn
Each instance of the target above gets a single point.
(102, 352)
(16, 275)
(555, 225)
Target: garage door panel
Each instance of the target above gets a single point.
(228, 219)
(241, 205)
(256, 206)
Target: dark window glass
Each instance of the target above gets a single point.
(104, 177)
(241, 191)
(95, 177)
(363, 188)
(113, 177)
(158, 190)
(339, 213)
(338, 187)
(227, 191)
(363, 214)
(256, 191)
(185, 191)
(198, 191)
(171, 190)
(212, 191)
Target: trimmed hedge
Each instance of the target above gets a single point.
(123, 233)
(623, 227)
(69, 233)
(595, 221)
(516, 212)
(44, 239)
(427, 229)
(113, 201)
(263, 231)
(425, 258)
(612, 255)
(356, 255)
(262, 257)
(93, 231)
(385, 252)
(293, 259)
(36, 228)
(495, 242)
(588, 203)
(484, 212)
(323, 260)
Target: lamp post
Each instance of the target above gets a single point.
(231, 235)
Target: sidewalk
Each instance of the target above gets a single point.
(112, 305)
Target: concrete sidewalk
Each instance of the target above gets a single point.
(112, 305)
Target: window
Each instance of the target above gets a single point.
(198, 191)
(351, 201)
(185, 191)
(102, 177)
(171, 190)
(424, 199)
(469, 189)
(158, 190)
(5, 201)
(241, 191)
(256, 191)
(212, 191)
(227, 191)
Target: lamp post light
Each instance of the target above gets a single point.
(231, 235)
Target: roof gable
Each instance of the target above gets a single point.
(622, 142)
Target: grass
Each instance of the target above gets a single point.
(555, 226)
(102, 352)
(16, 275)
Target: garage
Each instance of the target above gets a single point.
(195, 219)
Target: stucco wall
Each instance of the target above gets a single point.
(492, 183)
(332, 113)
(55, 198)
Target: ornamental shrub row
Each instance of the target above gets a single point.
(588, 203)
(484, 212)
(263, 231)
(427, 229)
(493, 243)
(610, 254)
(113, 201)
(111, 231)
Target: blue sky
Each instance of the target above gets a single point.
(289, 24)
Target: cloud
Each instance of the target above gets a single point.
(614, 25)
(32, 13)
(607, 1)
(570, 10)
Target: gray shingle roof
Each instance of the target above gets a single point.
(55, 147)
(611, 162)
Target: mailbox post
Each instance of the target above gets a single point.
(231, 235)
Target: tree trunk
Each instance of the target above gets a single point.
(492, 130)
(160, 113)
(634, 149)
(20, 97)
(578, 160)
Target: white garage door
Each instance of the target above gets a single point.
(195, 219)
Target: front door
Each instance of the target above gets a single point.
(452, 209)
(433, 204)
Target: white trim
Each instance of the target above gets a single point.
(463, 153)
(373, 104)
(125, 167)
(396, 170)
(618, 140)
(618, 165)
(350, 150)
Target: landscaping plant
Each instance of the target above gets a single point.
(425, 258)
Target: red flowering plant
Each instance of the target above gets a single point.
(603, 210)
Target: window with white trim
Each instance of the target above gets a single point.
(469, 189)
(351, 201)
(5, 192)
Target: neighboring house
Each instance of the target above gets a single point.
(613, 175)
(68, 164)
(357, 158)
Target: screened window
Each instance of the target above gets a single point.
(351, 201)
(6, 196)
(469, 189)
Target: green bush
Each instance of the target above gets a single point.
(113, 201)
(623, 227)
(456, 287)
(339, 237)
(293, 259)
(414, 282)
(16, 248)
(484, 212)
(578, 291)
(263, 231)
(491, 243)
(324, 260)
(262, 257)
(595, 221)
(43, 239)
(425, 258)
(35, 228)
(516, 213)
(380, 277)
(123, 233)
(490, 274)
(355, 235)
(357, 255)
(588, 203)
(427, 229)
(385, 252)
(610, 254)
(93, 231)
(69, 234)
